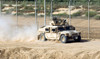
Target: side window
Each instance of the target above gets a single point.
(54, 30)
(47, 30)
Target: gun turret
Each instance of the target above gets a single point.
(58, 22)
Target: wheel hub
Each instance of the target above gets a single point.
(63, 39)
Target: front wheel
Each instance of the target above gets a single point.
(64, 39)
(42, 37)
(77, 38)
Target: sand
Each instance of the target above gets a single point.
(21, 48)
(50, 50)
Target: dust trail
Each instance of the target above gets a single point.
(9, 32)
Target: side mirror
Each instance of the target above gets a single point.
(70, 28)
(73, 28)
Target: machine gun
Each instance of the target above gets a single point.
(59, 22)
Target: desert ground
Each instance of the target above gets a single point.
(50, 50)
(24, 45)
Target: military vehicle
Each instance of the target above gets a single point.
(60, 30)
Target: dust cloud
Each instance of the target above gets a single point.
(9, 30)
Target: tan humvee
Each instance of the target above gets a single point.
(59, 31)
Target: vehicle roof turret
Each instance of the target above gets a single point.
(58, 22)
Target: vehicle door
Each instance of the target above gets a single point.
(54, 33)
(47, 33)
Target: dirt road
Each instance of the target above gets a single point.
(50, 50)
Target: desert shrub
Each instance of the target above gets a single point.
(62, 14)
(98, 12)
(26, 8)
(8, 11)
(39, 9)
(97, 17)
(79, 13)
(10, 5)
(92, 13)
(2, 6)
(77, 7)
(19, 14)
(23, 4)
(31, 14)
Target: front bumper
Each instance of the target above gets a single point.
(73, 37)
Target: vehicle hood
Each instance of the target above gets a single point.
(70, 32)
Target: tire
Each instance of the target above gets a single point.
(78, 39)
(42, 37)
(64, 39)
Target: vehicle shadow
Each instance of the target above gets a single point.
(82, 41)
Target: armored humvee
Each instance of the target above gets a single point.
(60, 30)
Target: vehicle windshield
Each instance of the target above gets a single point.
(70, 28)
(61, 28)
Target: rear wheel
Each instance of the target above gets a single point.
(64, 39)
(77, 38)
(42, 37)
